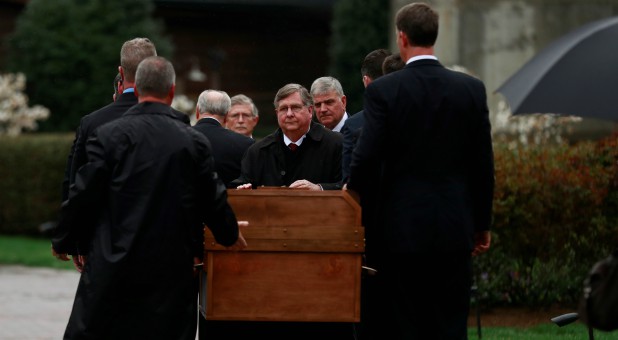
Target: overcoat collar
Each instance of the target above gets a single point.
(155, 108)
(208, 121)
(316, 133)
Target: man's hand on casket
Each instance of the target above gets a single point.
(305, 184)
(241, 243)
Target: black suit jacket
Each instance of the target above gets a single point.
(88, 123)
(228, 147)
(428, 127)
(351, 130)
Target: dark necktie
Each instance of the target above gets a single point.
(292, 146)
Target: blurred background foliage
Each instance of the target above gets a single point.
(32, 171)
(358, 27)
(64, 54)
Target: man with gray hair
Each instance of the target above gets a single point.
(301, 154)
(329, 102)
(228, 147)
(243, 115)
(141, 202)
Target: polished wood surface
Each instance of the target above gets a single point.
(302, 263)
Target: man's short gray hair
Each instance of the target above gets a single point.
(214, 102)
(241, 99)
(155, 77)
(326, 84)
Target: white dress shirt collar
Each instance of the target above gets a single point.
(288, 141)
(419, 57)
(338, 127)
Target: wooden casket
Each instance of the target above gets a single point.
(302, 262)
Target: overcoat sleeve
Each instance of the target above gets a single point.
(217, 214)
(77, 213)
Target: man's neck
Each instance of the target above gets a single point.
(128, 84)
(295, 135)
(142, 99)
(413, 51)
(215, 117)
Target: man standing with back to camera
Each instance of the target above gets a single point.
(132, 53)
(138, 207)
(428, 128)
(228, 147)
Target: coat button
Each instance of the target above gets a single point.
(282, 172)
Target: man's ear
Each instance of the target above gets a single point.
(121, 71)
(366, 80)
(170, 94)
(136, 91)
(403, 38)
(344, 100)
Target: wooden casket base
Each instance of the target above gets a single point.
(305, 270)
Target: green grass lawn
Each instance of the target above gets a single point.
(36, 252)
(33, 252)
(549, 331)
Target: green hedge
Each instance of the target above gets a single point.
(555, 215)
(31, 169)
(556, 212)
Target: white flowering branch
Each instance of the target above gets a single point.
(182, 103)
(15, 115)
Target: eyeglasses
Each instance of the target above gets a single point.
(245, 116)
(295, 109)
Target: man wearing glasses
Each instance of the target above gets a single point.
(243, 115)
(299, 154)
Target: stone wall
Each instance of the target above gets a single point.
(494, 38)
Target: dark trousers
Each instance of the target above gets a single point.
(274, 330)
(418, 296)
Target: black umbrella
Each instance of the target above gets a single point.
(576, 74)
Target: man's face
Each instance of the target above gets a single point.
(329, 108)
(240, 119)
(292, 115)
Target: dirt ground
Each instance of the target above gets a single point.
(515, 317)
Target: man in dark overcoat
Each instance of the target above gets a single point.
(300, 154)
(138, 209)
(304, 155)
